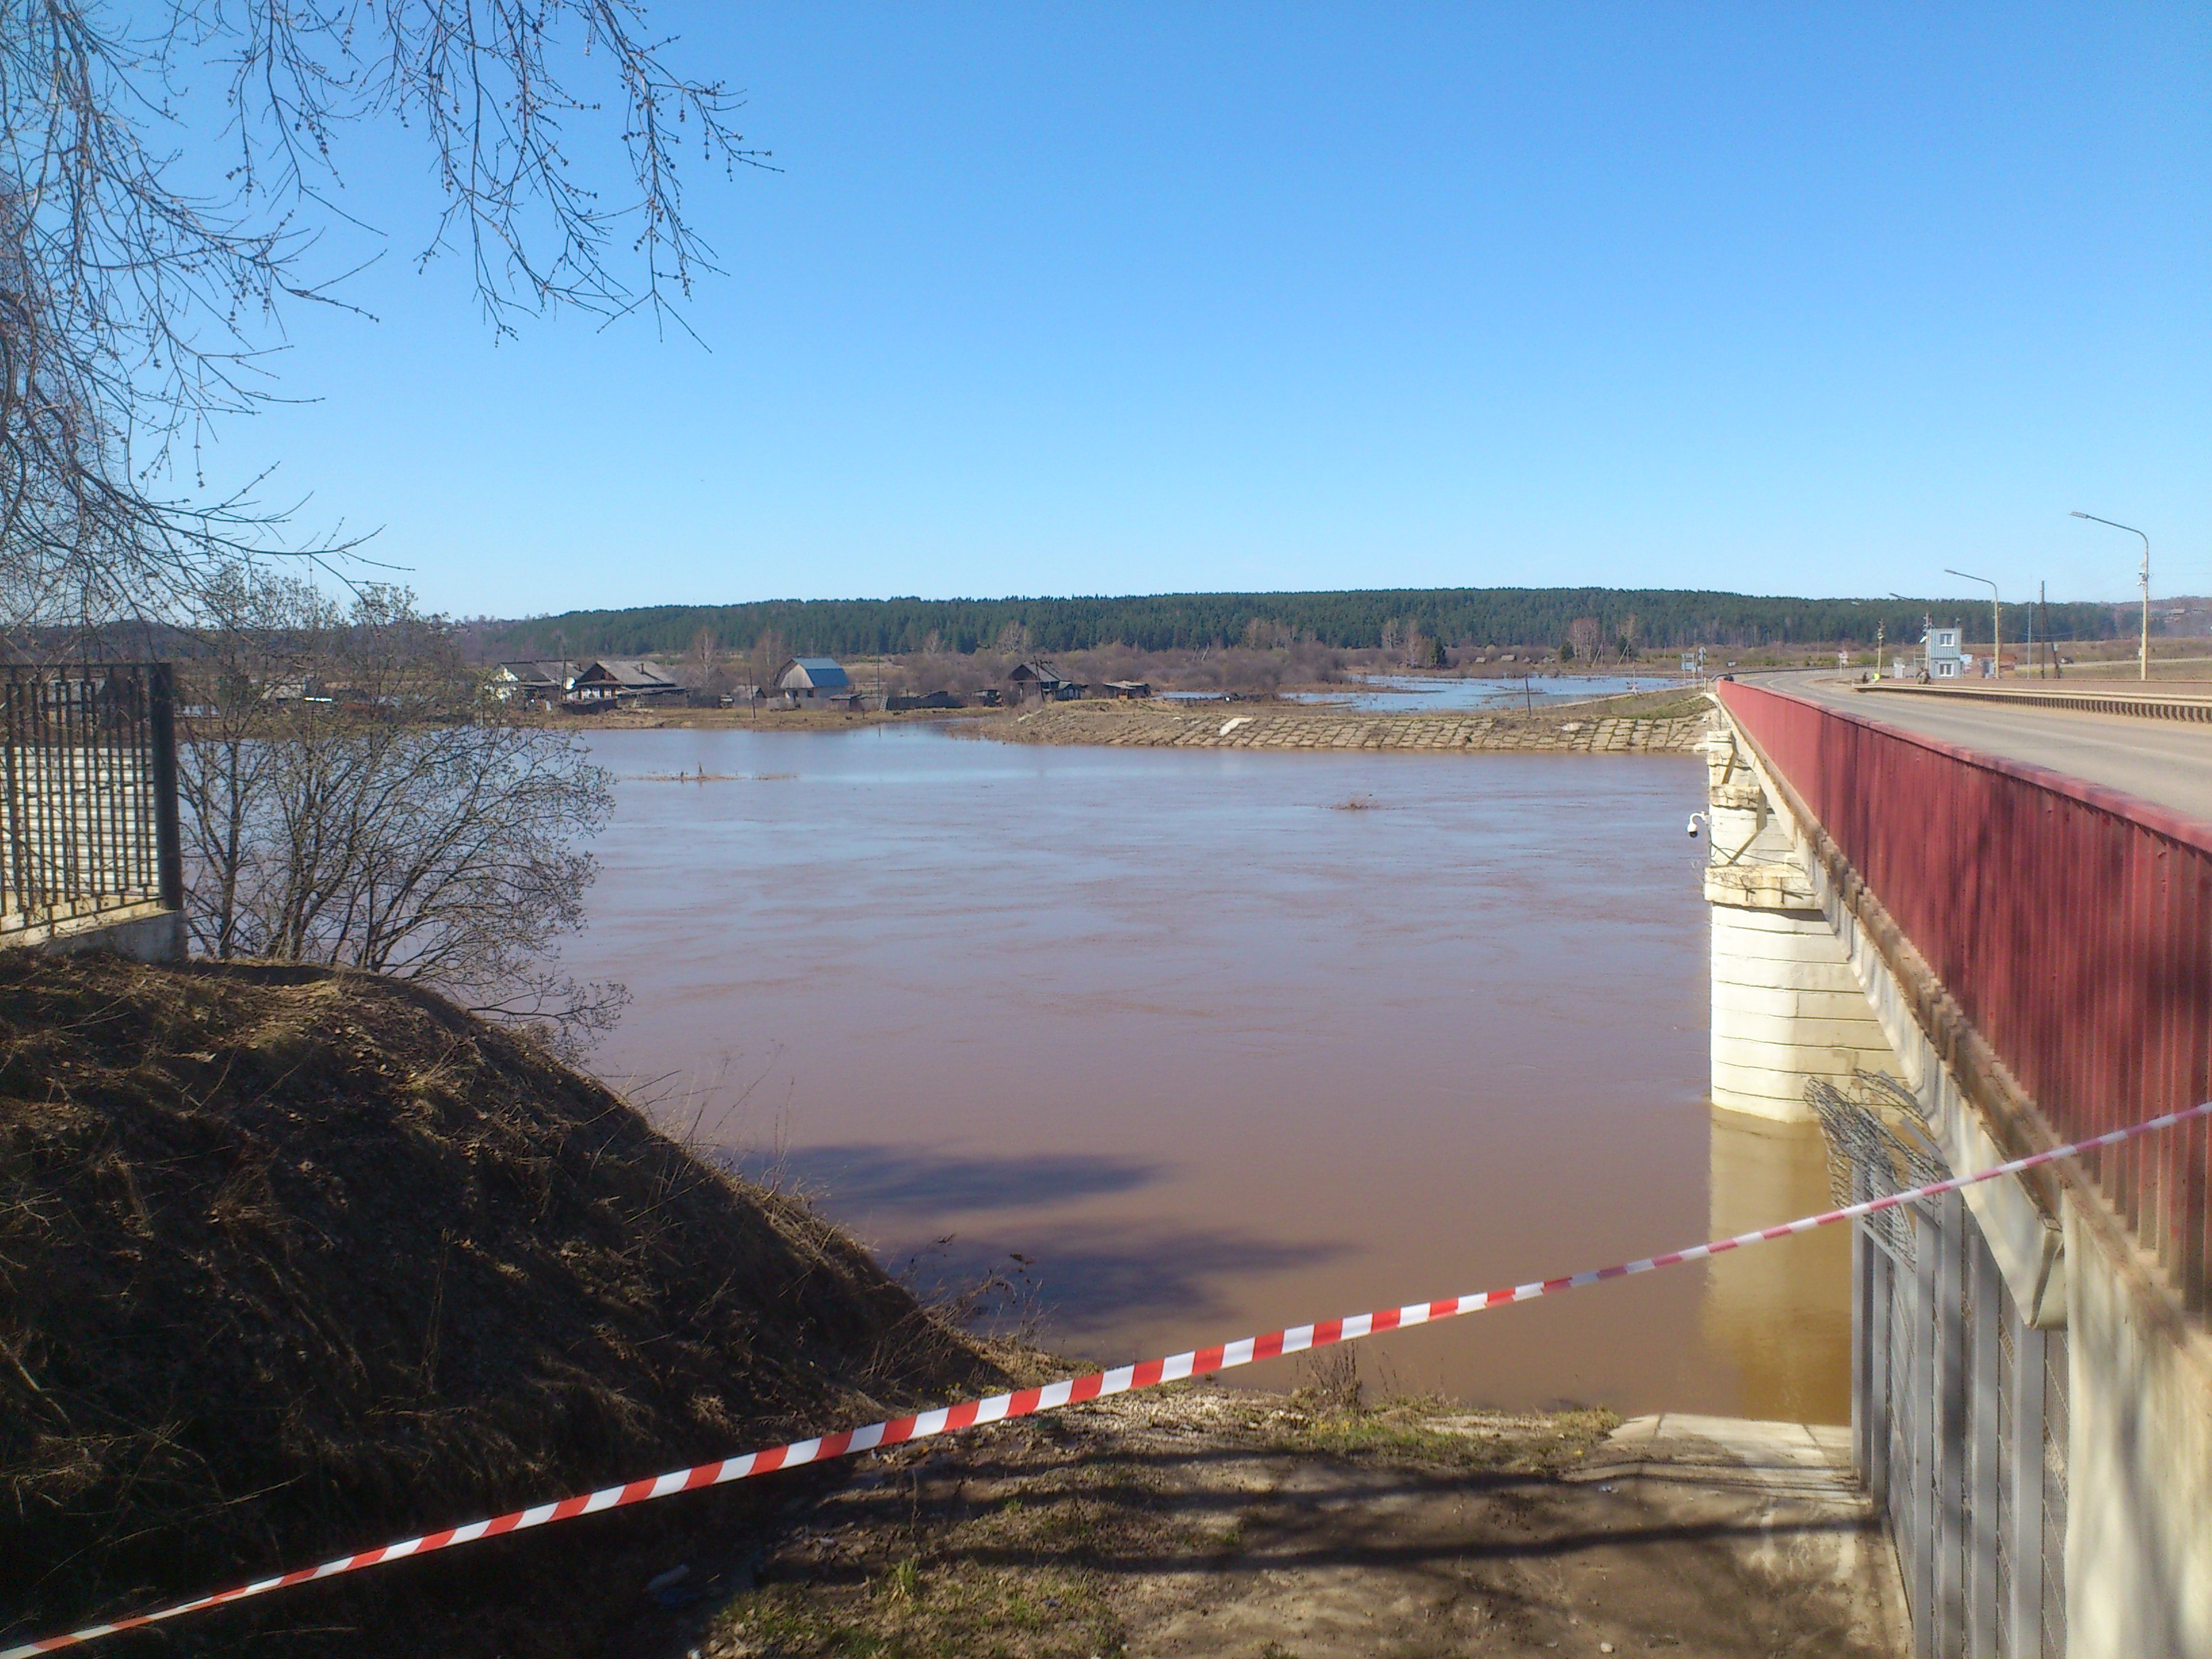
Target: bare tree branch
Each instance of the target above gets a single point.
(149, 246)
(352, 797)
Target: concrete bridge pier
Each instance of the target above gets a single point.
(1786, 1005)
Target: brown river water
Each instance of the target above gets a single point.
(1186, 1045)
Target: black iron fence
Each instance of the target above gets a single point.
(88, 792)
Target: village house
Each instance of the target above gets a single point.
(608, 682)
(544, 682)
(1039, 679)
(814, 681)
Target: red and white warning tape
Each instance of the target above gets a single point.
(1072, 1391)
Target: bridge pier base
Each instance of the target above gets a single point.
(1786, 1005)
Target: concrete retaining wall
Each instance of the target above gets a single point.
(144, 933)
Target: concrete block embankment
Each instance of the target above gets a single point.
(1222, 727)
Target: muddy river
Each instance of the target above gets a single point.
(1181, 1046)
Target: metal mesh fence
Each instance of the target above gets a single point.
(1959, 1405)
(1879, 1143)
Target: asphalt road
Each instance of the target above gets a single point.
(2169, 761)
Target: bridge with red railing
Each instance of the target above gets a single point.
(2071, 922)
(2029, 878)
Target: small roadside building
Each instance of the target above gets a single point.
(1124, 689)
(813, 681)
(609, 681)
(1947, 659)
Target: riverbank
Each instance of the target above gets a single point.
(1663, 722)
(1600, 728)
(1204, 1520)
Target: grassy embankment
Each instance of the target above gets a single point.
(293, 1262)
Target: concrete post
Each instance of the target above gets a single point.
(1864, 1414)
(1985, 1304)
(2024, 1553)
(1920, 1569)
(1947, 1606)
(1880, 1401)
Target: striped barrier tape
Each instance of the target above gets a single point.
(1071, 1391)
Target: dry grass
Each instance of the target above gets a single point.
(294, 1261)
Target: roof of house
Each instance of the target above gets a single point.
(1039, 670)
(535, 673)
(631, 673)
(822, 673)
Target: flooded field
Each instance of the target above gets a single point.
(1189, 1044)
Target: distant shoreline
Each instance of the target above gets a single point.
(1594, 729)
(1653, 723)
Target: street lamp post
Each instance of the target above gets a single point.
(2142, 661)
(1996, 621)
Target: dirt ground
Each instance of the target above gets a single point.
(1212, 1521)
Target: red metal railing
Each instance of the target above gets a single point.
(2072, 923)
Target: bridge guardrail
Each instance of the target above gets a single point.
(2040, 694)
(2072, 923)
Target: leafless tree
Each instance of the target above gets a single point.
(768, 654)
(262, 635)
(1584, 634)
(351, 796)
(703, 670)
(169, 181)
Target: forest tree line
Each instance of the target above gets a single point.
(1651, 618)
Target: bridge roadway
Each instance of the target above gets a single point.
(2169, 762)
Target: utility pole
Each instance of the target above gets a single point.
(2143, 660)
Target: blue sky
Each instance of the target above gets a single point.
(1132, 298)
